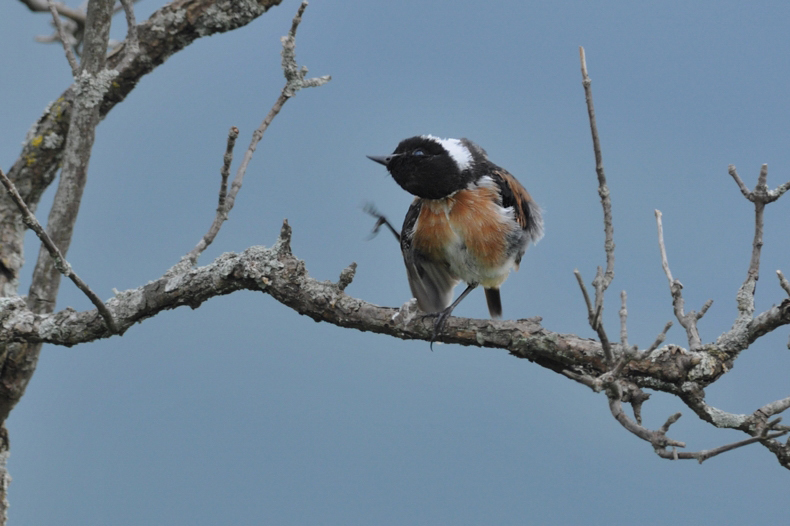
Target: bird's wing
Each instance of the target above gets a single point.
(431, 282)
(527, 212)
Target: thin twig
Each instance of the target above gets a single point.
(57, 257)
(590, 312)
(660, 338)
(585, 379)
(294, 81)
(705, 454)
(760, 196)
(602, 278)
(783, 282)
(703, 310)
(224, 173)
(222, 208)
(779, 191)
(660, 441)
(67, 44)
(623, 320)
(687, 321)
(594, 318)
(77, 15)
(132, 44)
(741, 185)
(603, 190)
(671, 420)
(745, 321)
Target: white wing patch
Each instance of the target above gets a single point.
(508, 213)
(458, 152)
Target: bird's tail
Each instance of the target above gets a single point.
(494, 303)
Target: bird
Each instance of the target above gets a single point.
(470, 221)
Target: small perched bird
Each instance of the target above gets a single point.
(471, 221)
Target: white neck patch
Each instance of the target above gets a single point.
(458, 152)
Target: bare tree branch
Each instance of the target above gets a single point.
(132, 40)
(294, 81)
(747, 327)
(167, 31)
(67, 43)
(277, 272)
(783, 282)
(43, 5)
(705, 454)
(224, 172)
(594, 317)
(59, 261)
(93, 81)
(661, 442)
(659, 339)
(602, 279)
(687, 321)
(580, 281)
(619, 373)
(222, 209)
(623, 320)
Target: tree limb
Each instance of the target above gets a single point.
(687, 321)
(294, 81)
(67, 45)
(169, 30)
(603, 279)
(747, 327)
(93, 81)
(42, 6)
(59, 261)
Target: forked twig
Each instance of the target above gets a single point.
(661, 442)
(222, 208)
(603, 279)
(594, 318)
(760, 196)
(294, 81)
(687, 321)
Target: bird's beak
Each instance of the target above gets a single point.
(381, 159)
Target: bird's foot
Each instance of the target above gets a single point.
(439, 323)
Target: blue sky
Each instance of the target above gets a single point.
(244, 412)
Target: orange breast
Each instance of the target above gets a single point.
(477, 219)
(432, 230)
(470, 218)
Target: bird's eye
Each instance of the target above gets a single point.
(418, 152)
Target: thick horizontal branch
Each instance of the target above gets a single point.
(277, 272)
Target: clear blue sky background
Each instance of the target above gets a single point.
(243, 412)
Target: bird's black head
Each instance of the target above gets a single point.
(430, 167)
